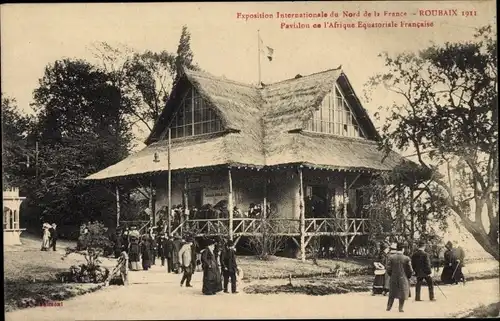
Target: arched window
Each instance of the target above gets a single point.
(335, 117)
(195, 117)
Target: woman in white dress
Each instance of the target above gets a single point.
(46, 237)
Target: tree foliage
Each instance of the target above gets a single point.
(448, 115)
(146, 78)
(80, 129)
(15, 158)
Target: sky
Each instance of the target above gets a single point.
(34, 35)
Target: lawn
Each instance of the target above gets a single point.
(271, 277)
(30, 274)
(280, 267)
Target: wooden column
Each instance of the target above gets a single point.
(346, 222)
(412, 222)
(117, 193)
(153, 214)
(264, 219)
(169, 187)
(230, 203)
(302, 218)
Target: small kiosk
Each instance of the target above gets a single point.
(11, 205)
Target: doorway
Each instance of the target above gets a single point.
(195, 198)
(316, 202)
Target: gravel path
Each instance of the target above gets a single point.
(155, 294)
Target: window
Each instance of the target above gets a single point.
(195, 118)
(335, 117)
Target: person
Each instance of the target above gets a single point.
(133, 252)
(53, 236)
(154, 248)
(460, 255)
(387, 279)
(168, 251)
(161, 243)
(186, 262)
(229, 266)
(400, 270)
(452, 270)
(146, 252)
(45, 237)
(421, 264)
(124, 267)
(125, 239)
(176, 246)
(211, 271)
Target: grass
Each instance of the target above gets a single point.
(317, 279)
(489, 311)
(30, 274)
(280, 267)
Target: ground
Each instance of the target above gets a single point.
(156, 295)
(159, 295)
(30, 274)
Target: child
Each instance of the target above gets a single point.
(124, 267)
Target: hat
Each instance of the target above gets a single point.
(230, 243)
(210, 242)
(421, 243)
(189, 240)
(394, 246)
(449, 244)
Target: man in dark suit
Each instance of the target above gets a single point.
(421, 264)
(229, 266)
(53, 236)
(399, 269)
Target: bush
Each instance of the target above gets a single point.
(93, 244)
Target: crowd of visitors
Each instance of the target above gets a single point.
(180, 255)
(399, 269)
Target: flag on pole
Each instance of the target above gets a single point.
(270, 51)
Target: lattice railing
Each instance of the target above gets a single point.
(336, 226)
(281, 226)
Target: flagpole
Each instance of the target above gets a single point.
(258, 56)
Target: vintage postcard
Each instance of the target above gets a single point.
(250, 160)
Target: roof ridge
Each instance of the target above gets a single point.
(208, 75)
(313, 74)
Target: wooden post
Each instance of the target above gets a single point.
(302, 218)
(346, 223)
(169, 214)
(412, 222)
(153, 215)
(117, 193)
(230, 203)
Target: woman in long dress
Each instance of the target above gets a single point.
(134, 253)
(212, 281)
(146, 252)
(45, 237)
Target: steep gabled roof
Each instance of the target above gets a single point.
(263, 128)
(237, 104)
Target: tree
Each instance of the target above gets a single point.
(146, 78)
(185, 55)
(80, 129)
(448, 114)
(15, 156)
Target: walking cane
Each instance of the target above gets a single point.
(438, 287)
(453, 275)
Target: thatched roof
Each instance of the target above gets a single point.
(263, 128)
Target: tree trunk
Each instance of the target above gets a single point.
(482, 238)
